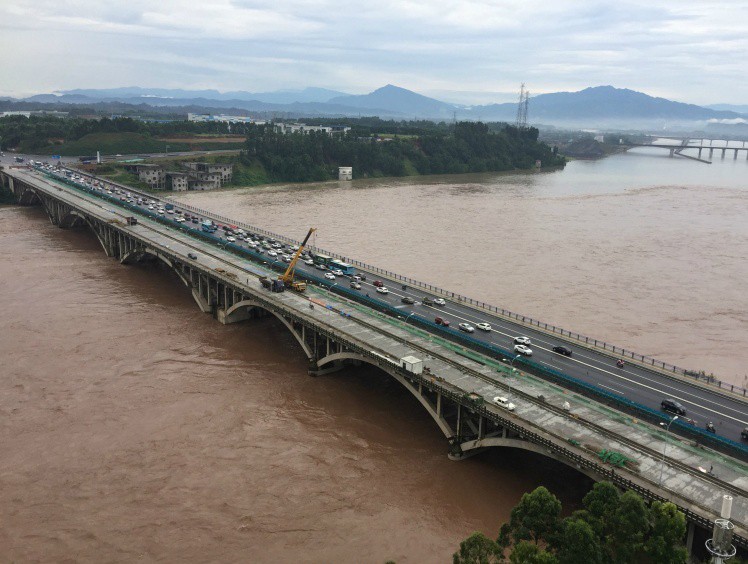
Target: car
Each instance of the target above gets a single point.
(321, 267)
(194, 220)
(193, 256)
(328, 275)
(337, 272)
(231, 239)
(440, 302)
(378, 283)
(355, 285)
(427, 301)
(441, 321)
(408, 300)
(272, 254)
(561, 350)
(522, 340)
(523, 350)
(501, 401)
(382, 290)
(466, 327)
(673, 406)
(356, 277)
(484, 326)
(309, 262)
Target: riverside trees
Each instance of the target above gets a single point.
(612, 528)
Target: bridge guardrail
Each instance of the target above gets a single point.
(613, 349)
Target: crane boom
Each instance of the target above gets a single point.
(287, 276)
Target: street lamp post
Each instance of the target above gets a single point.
(664, 448)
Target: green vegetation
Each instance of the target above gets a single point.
(466, 147)
(124, 143)
(54, 135)
(612, 528)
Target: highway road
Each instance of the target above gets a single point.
(728, 413)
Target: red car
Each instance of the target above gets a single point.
(378, 283)
(441, 321)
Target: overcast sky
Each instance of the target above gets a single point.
(458, 50)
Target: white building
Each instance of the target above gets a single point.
(303, 128)
(222, 118)
(345, 173)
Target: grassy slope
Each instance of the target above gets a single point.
(134, 143)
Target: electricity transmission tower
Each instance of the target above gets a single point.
(524, 101)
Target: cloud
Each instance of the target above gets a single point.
(690, 50)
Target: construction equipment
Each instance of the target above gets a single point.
(287, 277)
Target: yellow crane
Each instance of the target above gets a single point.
(287, 276)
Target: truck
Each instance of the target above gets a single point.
(132, 220)
(272, 285)
(208, 227)
(412, 364)
(288, 277)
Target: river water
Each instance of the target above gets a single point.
(134, 427)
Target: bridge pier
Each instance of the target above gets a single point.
(672, 152)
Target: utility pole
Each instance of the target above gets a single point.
(524, 101)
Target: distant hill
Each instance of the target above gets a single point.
(741, 109)
(135, 94)
(398, 101)
(599, 106)
(603, 105)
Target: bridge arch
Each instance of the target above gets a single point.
(29, 197)
(392, 371)
(253, 304)
(488, 442)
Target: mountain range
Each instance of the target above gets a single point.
(598, 106)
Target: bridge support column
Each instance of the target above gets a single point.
(723, 153)
(699, 153)
(711, 151)
(735, 158)
(672, 152)
(241, 314)
(202, 303)
(689, 536)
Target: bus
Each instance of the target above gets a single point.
(346, 268)
(324, 260)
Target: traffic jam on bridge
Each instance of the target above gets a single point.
(696, 405)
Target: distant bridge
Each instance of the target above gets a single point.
(677, 148)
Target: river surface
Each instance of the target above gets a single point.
(134, 427)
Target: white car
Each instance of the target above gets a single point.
(466, 327)
(504, 402)
(484, 326)
(231, 239)
(337, 272)
(310, 262)
(523, 350)
(440, 302)
(382, 290)
(329, 276)
(522, 341)
(355, 285)
(272, 254)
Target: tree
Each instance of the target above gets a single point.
(477, 549)
(577, 542)
(599, 505)
(625, 541)
(527, 553)
(668, 527)
(536, 516)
